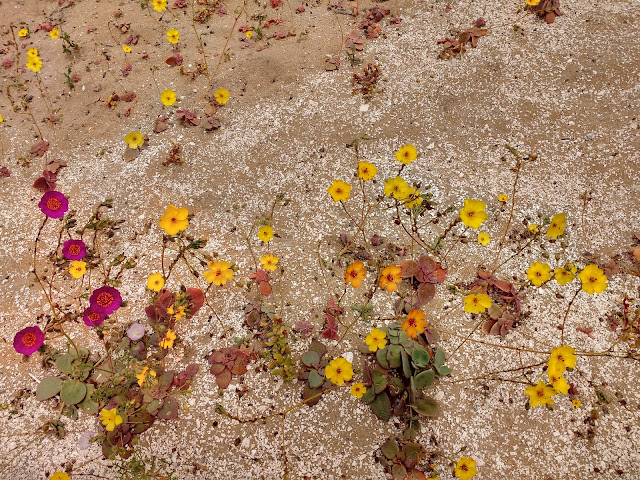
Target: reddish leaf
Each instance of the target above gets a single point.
(174, 60)
(39, 148)
(304, 328)
(128, 97)
(260, 275)
(550, 17)
(197, 299)
(265, 288)
(276, 3)
(5, 171)
(502, 285)
(635, 251)
(409, 269)
(426, 292)
(300, 9)
(587, 331)
(223, 379)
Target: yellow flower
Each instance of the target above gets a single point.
(539, 273)
(396, 187)
(167, 341)
(503, 198)
(476, 303)
(390, 276)
(413, 198)
(533, 227)
(269, 262)
(593, 279)
(249, 33)
(173, 35)
(78, 268)
(339, 371)
(575, 403)
(563, 276)
(159, 5)
(54, 33)
(126, 49)
(571, 267)
(1, 119)
(110, 419)
(473, 214)
(558, 222)
(142, 376)
(366, 170)
(484, 238)
(174, 220)
(168, 97)
(32, 52)
(406, 154)
(354, 274)
(415, 323)
(134, 140)
(358, 390)
(466, 468)
(558, 382)
(265, 233)
(178, 313)
(561, 358)
(60, 476)
(540, 394)
(339, 191)
(377, 339)
(23, 32)
(218, 273)
(221, 96)
(155, 282)
(533, 3)
(34, 64)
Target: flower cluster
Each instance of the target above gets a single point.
(33, 60)
(561, 358)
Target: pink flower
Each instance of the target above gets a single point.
(54, 204)
(105, 300)
(28, 340)
(74, 249)
(92, 318)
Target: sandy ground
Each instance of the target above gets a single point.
(566, 92)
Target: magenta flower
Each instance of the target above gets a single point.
(105, 300)
(74, 249)
(92, 318)
(54, 204)
(28, 340)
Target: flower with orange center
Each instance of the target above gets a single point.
(415, 323)
(218, 273)
(269, 262)
(174, 220)
(390, 276)
(167, 341)
(366, 170)
(358, 390)
(355, 274)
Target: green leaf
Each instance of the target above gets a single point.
(425, 406)
(169, 409)
(390, 448)
(73, 391)
(369, 395)
(406, 365)
(381, 406)
(379, 381)
(48, 387)
(64, 363)
(394, 356)
(87, 405)
(381, 356)
(442, 370)
(411, 454)
(317, 347)
(315, 379)
(82, 352)
(311, 359)
(420, 357)
(424, 379)
(399, 472)
(439, 358)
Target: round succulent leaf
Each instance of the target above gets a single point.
(424, 379)
(394, 356)
(426, 406)
(369, 396)
(420, 357)
(379, 381)
(396, 386)
(88, 405)
(169, 409)
(439, 357)
(442, 370)
(64, 363)
(406, 365)
(217, 368)
(318, 347)
(381, 406)
(140, 421)
(48, 387)
(399, 472)
(73, 392)
(166, 379)
(411, 454)
(381, 356)
(81, 352)
(315, 379)
(390, 448)
(223, 379)
(311, 359)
